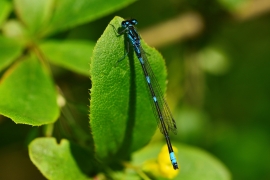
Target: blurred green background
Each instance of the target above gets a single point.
(217, 54)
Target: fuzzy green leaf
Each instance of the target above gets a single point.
(9, 51)
(34, 14)
(70, 13)
(57, 161)
(27, 94)
(71, 54)
(5, 8)
(194, 163)
(121, 116)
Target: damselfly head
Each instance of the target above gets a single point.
(125, 24)
(134, 21)
(130, 22)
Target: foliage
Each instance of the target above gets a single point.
(57, 56)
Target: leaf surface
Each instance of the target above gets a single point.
(5, 9)
(121, 115)
(34, 14)
(27, 94)
(194, 163)
(57, 161)
(71, 54)
(9, 51)
(70, 13)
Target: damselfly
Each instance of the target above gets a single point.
(162, 112)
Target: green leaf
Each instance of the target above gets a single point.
(34, 14)
(71, 54)
(121, 116)
(58, 161)
(70, 13)
(5, 8)
(9, 51)
(194, 163)
(27, 94)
